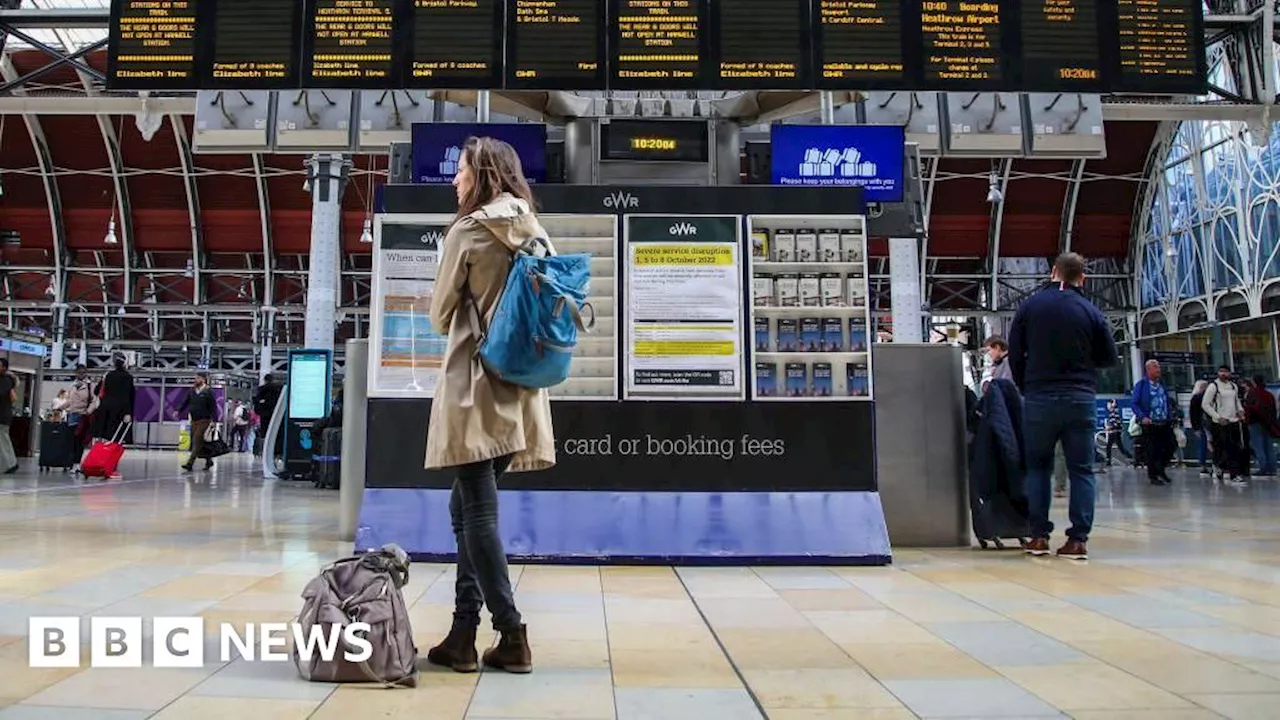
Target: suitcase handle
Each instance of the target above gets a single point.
(118, 437)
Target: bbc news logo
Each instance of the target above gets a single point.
(179, 642)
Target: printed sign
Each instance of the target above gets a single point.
(871, 157)
(437, 148)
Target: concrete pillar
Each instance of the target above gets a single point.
(57, 353)
(904, 290)
(266, 336)
(355, 402)
(1136, 371)
(327, 175)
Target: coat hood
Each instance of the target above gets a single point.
(510, 220)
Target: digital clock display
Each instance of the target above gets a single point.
(671, 140)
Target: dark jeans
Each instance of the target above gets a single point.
(1203, 435)
(1115, 441)
(482, 563)
(1230, 449)
(1264, 449)
(1160, 448)
(1069, 418)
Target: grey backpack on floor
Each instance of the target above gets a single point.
(365, 588)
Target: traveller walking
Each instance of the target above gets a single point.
(1156, 412)
(1114, 430)
(1058, 342)
(481, 426)
(1260, 411)
(1224, 410)
(8, 398)
(82, 403)
(201, 407)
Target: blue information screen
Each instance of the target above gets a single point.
(438, 146)
(871, 157)
(309, 375)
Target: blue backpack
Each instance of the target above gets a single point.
(535, 328)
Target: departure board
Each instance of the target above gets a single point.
(858, 44)
(1161, 47)
(253, 44)
(658, 44)
(555, 45)
(1061, 45)
(761, 45)
(152, 44)
(455, 44)
(961, 44)
(349, 43)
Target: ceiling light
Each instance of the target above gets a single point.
(366, 235)
(111, 238)
(191, 269)
(52, 290)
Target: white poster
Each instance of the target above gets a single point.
(405, 352)
(684, 306)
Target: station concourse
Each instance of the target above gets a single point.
(805, 229)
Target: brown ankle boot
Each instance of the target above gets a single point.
(512, 652)
(457, 650)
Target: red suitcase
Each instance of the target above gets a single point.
(104, 457)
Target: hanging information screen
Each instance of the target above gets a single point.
(349, 43)
(858, 44)
(658, 43)
(762, 44)
(1161, 47)
(961, 45)
(684, 306)
(1060, 44)
(253, 45)
(152, 44)
(455, 44)
(555, 45)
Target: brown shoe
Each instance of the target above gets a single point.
(457, 651)
(1073, 550)
(1037, 547)
(512, 652)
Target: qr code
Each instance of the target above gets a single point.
(726, 377)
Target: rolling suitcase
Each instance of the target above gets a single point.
(328, 463)
(104, 457)
(57, 445)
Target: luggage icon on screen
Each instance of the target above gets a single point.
(449, 166)
(832, 162)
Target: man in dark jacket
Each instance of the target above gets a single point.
(202, 408)
(264, 404)
(1057, 342)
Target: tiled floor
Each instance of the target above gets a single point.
(1177, 617)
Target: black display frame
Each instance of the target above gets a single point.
(908, 38)
(806, 73)
(704, 64)
(207, 47)
(408, 44)
(306, 61)
(114, 82)
(616, 128)
(1159, 86)
(512, 45)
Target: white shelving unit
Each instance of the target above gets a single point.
(594, 372)
(808, 260)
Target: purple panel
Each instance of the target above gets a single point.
(219, 402)
(146, 403)
(666, 527)
(173, 398)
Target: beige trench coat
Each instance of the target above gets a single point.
(475, 416)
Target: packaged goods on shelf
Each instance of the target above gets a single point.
(784, 246)
(797, 379)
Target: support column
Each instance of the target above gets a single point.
(327, 175)
(355, 402)
(58, 351)
(1136, 370)
(904, 290)
(266, 336)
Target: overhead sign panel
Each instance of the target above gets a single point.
(858, 44)
(349, 43)
(1161, 47)
(152, 44)
(454, 44)
(556, 45)
(1060, 45)
(962, 44)
(761, 45)
(658, 44)
(250, 44)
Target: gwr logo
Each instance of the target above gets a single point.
(433, 238)
(621, 200)
(684, 229)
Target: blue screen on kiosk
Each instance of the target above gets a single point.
(309, 386)
(871, 157)
(437, 146)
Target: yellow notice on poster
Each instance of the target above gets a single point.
(683, 349)
(684, 254)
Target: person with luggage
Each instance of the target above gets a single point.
(1155, 410)
(239, 426)
(8, 398)
(201, 408)
(1057, 343)
(82, 403)
(1224, 411)
(1260, 411)
(480, 425)
(116, 395)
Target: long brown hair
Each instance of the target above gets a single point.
(495, 169)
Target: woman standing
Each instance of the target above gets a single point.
(82, 403)
(117, 401)
(480, 425)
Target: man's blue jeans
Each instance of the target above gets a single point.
(1264, 450)
(1069, 418)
